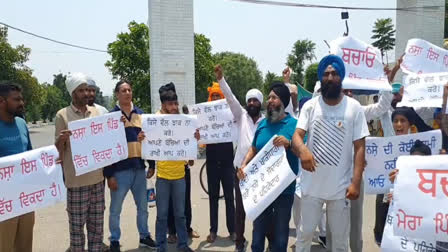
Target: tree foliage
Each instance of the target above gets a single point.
(311, 77)
(53, 101)
(302, 51)
(13, 68)
(130, 60)
(384, 35)
(268, 79)
(240, 72)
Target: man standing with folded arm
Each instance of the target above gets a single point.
(85, 193)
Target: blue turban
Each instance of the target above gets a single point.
(334, 61)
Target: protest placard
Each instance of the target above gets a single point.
(29, 181)
(170, 137)
(392, 243)
(215, 121)
(382, 153)
(423, 57)
(420, 197)
(363, 67)
(424, 90)
(267, 175)
(97, 142)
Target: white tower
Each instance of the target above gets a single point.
(427, 24)
(171, 32)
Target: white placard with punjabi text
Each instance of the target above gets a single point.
(215, 121)
(29, 181)
(420, 197)
(363, 67)
(169, 137)
(268, 174)
(97, 142)
(424, 90)
(423, 57)
(392, 243)
(382, 153)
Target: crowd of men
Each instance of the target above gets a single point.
(324, 138)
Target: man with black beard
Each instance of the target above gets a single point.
(247, 122)
(336, 125)
(92, 88)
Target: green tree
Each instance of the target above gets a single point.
(130, 60)
(13, 68)
(302, 51)
(53, 102)
(383, 33)
(240, 72)
(59, 83)
(311, 77)
(203, 66)
(268, 79)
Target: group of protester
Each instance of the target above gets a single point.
(326, 134)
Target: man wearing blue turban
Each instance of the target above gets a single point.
(336, 127)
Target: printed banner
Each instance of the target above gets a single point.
(215, 121)
(423, 57)
(363, 67)
(382, 153)
(392, 243)
(267, 176)
(29, 181)
(424, 90)
(169, 137)
(420, 197)
(97, 142)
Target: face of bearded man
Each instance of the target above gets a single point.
(331, 85)
(253, 107)
(275, 110)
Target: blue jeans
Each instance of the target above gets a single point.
(174, 189)
(276, 216)
(135, 180)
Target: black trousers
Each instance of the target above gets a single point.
(240, 216)
(221, 171)
(188, 216)
(381, 210)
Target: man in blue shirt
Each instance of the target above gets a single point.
(16, 234)
(278, 214)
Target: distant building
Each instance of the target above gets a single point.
(171, 31)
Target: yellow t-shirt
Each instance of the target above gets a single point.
(171, 170)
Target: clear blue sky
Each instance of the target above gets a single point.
(264, 33)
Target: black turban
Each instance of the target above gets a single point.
(282, 91)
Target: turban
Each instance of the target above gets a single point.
(282, 91)
(421, 147)
(254, 93)
(333, 60)
(214, 89)
(167, 92)
(74, 80)
(91, 82)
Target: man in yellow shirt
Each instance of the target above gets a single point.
(171, 183)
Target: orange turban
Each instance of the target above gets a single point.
(214, 89)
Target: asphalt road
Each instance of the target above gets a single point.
(51, 228)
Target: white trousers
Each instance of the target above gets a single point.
(338, 215)
(296, 215)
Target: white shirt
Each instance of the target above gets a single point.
(102, 110)
(244, 123)
(331, 133)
